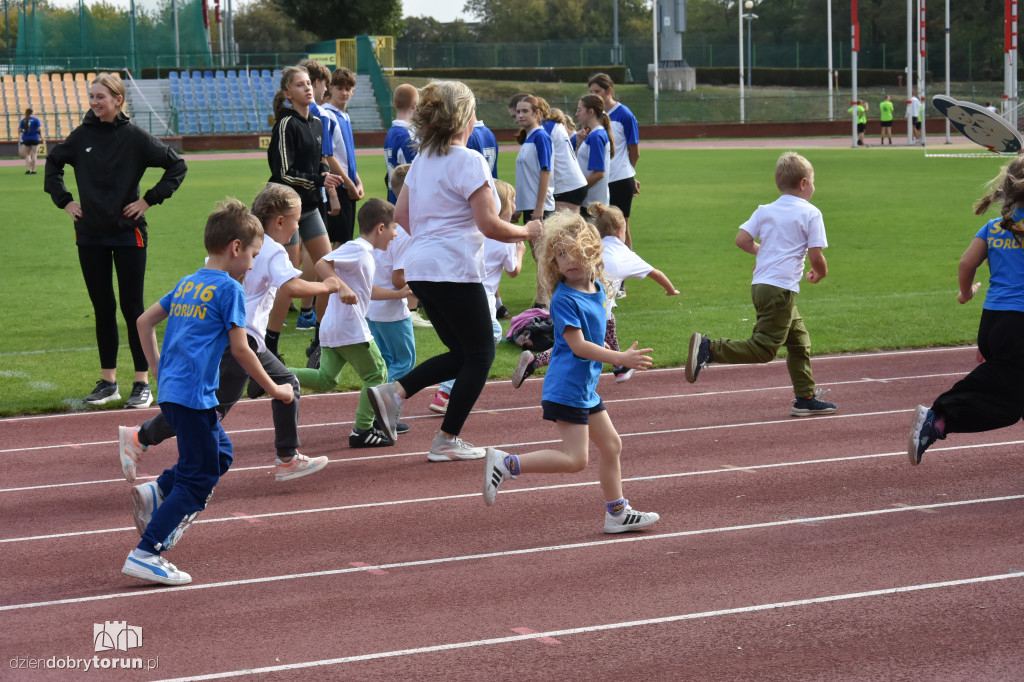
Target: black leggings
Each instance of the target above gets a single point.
(992, 395)
(462, 320)
(130, 262)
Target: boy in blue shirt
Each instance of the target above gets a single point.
(206, 312)
(399, 143)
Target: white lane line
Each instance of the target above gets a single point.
(639, 478)
(163, 591)
(604, 627)
(498, 382)
(521, 408)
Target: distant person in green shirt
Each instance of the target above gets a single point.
(885, 114)
(862, 119)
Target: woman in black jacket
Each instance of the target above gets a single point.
(296, 159)
(110, 154)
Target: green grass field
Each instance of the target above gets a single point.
(897, 223)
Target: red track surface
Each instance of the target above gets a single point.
(788, 548)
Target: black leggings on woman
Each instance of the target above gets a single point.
(98, 263)
(462, 320)
(992, 395)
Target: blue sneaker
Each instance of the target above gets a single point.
(699, 356)
(813, 406)
(306, 320)
(922, 433)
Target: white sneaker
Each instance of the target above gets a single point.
(131, 450)
(299, 466)
(387, 407)
(495, 472)
(419, 321)
(444, 450)
(628, 520)
(146, 498)
(154, 568)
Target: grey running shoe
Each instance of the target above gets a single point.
(140, 397)
(104, 392)
(385, 402)
(444, 450)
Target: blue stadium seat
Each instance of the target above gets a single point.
(207, 74)
(220, 75)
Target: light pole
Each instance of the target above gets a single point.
(750, 16)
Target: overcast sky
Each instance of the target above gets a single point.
(442, 10)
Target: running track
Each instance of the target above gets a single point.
(788, 548)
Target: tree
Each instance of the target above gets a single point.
(430, 30)
(261, 26)
(512, 20)
(328, 19)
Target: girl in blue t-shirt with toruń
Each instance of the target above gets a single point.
(571, 269)
(992, 395)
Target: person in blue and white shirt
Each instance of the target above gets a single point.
(399, 143)
(484, 141)
(595, 150)
(568, 183)
(622, 184)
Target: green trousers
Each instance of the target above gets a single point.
(778, 324)
(365, 359)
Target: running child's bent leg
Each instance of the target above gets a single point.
(326, 377)
(774, 308)
(204, 455)
(366, 360)
(573, 459)
(286, 416)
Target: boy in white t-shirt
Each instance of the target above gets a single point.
(389, 320)
(344, 335)
(789, 230)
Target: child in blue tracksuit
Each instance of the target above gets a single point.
(570, 267)
(205, 313)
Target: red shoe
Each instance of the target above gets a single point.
(439, 404)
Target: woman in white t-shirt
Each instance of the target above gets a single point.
(567, 181)
(448, 207)
(594, 149)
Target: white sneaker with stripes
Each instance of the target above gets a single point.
(629, 520)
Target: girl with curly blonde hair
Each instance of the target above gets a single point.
(571, 270)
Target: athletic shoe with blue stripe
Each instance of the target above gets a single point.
(154, 568)
(146, 497)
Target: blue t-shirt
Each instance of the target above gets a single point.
(399, 149)
(1005, 264)
(484, 141)
(572, 380)
(202, 309)
(30, 128)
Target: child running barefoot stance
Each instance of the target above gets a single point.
(789, 229)
(992, 395)
(572, 274)
(278, 208)
(207, 313)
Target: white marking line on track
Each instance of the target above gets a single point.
(162, 592)
(786, 421)
(817, 359)
(521, 408)
(536, 636)
(604, 627)
(645, 478)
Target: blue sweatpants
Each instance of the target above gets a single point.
(204, 455)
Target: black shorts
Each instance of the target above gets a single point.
(340, 227)
(917, 124)
(620, 194)
(33, 143)
(556, 412)
(574, 197)
(861, 127)
(886, 124)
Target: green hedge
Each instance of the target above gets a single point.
(557, 74)
(802, 78)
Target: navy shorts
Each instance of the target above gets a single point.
(557, 412)
(573, 196)
(620, 194)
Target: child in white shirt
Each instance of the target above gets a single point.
(344, 335)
